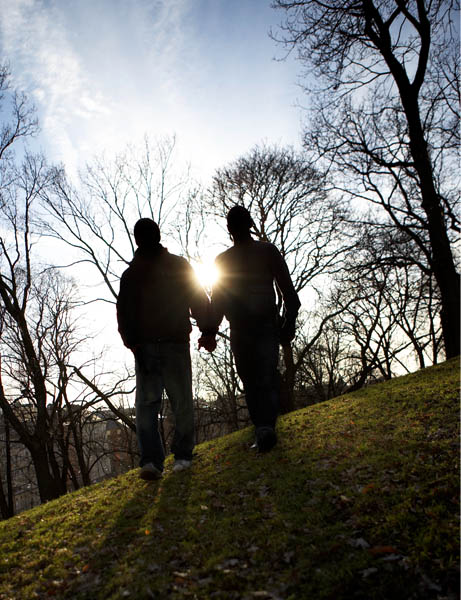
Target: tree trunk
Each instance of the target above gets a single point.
(443, 265)
(5, 510)
(7, 500)
(85, 475)
(441, 260)
(49, 487)
(287, 382)
(9, 479)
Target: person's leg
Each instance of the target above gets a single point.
(256, 360)
(177, 373)
(149, 388)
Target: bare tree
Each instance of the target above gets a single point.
(22, 353)
(39, 340)
(96, 218)
(385, 117)
(16, 291)
(381, 316)
(389, 256)
(47, 394)
(190, 225)
(6, 495)
(6, 478)
(385, 318)
(287, 200)
(57, 428)
(323, 366)
(19, 122)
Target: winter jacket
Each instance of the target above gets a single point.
(158, 294)
(245, 291)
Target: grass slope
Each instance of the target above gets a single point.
(358, 500)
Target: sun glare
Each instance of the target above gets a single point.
(207, 274)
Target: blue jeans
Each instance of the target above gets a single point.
(159, 366)
(256, 356)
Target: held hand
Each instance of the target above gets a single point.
(208, 342)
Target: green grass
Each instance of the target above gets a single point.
(358, 500)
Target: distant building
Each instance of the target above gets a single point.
(108, 448)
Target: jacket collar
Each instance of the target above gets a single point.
(147, 253)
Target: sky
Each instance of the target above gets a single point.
(105, 72)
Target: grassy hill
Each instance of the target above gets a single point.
(358, 500)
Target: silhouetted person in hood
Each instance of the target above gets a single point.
(245, 295)
(158, 294)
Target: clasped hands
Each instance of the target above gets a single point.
(207, 341)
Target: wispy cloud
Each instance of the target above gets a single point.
(35, 42)
(103, 72)
(76, 88)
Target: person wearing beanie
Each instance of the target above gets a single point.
(245, 295)
(158, 294)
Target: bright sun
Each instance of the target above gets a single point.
(207, 273)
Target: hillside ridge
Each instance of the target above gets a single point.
(358, 500)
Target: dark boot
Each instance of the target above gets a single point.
(265, 438)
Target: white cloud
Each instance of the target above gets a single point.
(103, 72)
(44, 63)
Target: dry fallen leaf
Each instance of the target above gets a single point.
(382, 550)
(367, 488)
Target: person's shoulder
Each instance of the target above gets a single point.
(127, 279)
(176, 261)
(224, 255)
(127, 273)
(253, 246)
(266, 247)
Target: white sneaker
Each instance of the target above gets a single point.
(181, 465)
(149, 472)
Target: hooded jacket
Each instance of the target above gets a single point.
(158, 294)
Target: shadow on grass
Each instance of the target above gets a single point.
(298, 522)
(328, 508)
(142, 544)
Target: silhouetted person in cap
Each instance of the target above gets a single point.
(245, 294)
(158, 294)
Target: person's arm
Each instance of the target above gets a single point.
(217, 298)
(216, 313)
(125, 312)
(200, 308)
(290, 298)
